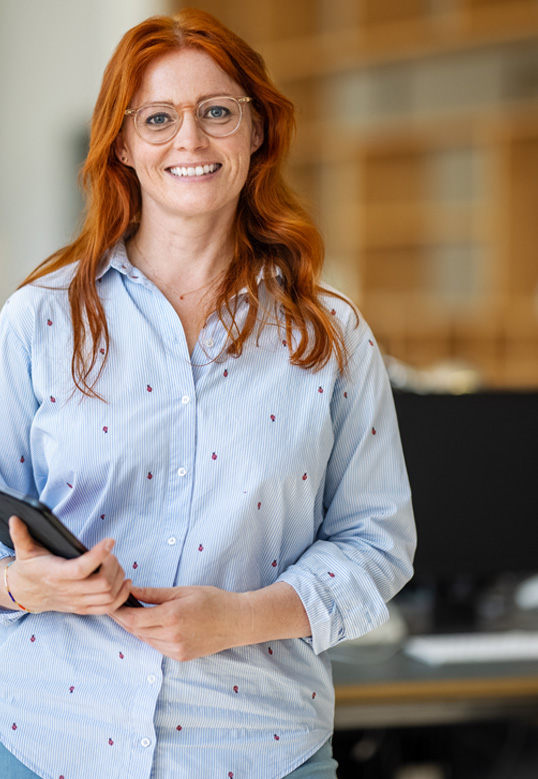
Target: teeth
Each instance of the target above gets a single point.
(199, 170)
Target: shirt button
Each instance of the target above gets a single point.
(185, 399)
(145, 742)
(152, 679)
(209, 342)
(172, 541)
(181, 471)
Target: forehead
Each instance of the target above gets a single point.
(184, 76)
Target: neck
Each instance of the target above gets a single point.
(193, 250)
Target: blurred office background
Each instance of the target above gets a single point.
(417, 151)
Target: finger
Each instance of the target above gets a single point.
(156, 595)
(112, 575)
(89, 562)
(99, 603)
(24, 544)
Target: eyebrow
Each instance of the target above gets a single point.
(198, 100)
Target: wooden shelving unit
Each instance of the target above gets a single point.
(429, 215)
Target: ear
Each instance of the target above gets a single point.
(121, 150)
(256, 134)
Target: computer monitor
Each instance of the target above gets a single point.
(472, 462)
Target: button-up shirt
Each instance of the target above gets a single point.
(206, 469)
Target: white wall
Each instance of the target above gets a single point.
(52, 55)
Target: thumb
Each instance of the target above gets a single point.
(154, 595)
(24, 544)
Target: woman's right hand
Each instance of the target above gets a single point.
(40, 581)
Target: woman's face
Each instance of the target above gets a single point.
(184, 78)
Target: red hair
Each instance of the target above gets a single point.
(272, 230)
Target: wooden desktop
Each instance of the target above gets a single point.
(395, 691)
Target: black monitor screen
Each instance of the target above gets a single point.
(473, 464)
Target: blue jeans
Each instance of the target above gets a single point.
(320, 766)
(11, 768)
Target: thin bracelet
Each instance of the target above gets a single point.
(18, 605)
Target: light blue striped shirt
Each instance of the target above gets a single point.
(232, 472)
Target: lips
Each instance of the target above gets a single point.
(194, 171)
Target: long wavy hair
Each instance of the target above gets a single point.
(271, 230)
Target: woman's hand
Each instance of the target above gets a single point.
(186, 622)
(40, 581)
(190, 622)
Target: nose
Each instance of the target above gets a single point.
(190, 134)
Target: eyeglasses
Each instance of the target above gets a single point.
(160, 122)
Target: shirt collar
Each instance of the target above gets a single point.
(117, 258)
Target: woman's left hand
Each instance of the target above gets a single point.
(187, 622)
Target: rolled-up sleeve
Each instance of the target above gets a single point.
(364, 548)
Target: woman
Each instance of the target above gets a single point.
(180, 387)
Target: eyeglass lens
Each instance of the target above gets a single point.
(217, 117)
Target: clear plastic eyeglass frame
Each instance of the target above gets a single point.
(172, 119)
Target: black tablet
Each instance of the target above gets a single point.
(43, 526)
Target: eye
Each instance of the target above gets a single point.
(216, 112)
(158, 119)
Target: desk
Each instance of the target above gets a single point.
(398, 691)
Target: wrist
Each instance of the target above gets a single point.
(13, 602)
(274, 612)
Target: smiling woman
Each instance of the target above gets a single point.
(214, 424)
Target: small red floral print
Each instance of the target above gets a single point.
(101, 350)
(214, 456)
(225, 374)
(110, 742)
(32, 638)
(105, 429)
(14, 726)
(201, 548)
(121, 655)
(102, 516)
(61, 775)
(270, 650)
(135, 565)
(331, 574)
(71, 689)
(259, 505)
(49, 322)
(22, 458)
(179, 728)
(305, 476)
(313, 695)
(52, 399)
(277, 738)
(333, 312)
(69, 485)
(374, 431)
(284, 343)
(236, 688)
(149, 388)
(370, 342)
(320, 390)
(150, 475)
(273, 417)
(230, 775)
(345, 394)
(274, 563)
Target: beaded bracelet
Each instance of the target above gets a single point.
(18, 605)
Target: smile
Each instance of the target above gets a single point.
(199, 170)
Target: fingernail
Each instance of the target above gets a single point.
(109, 545)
